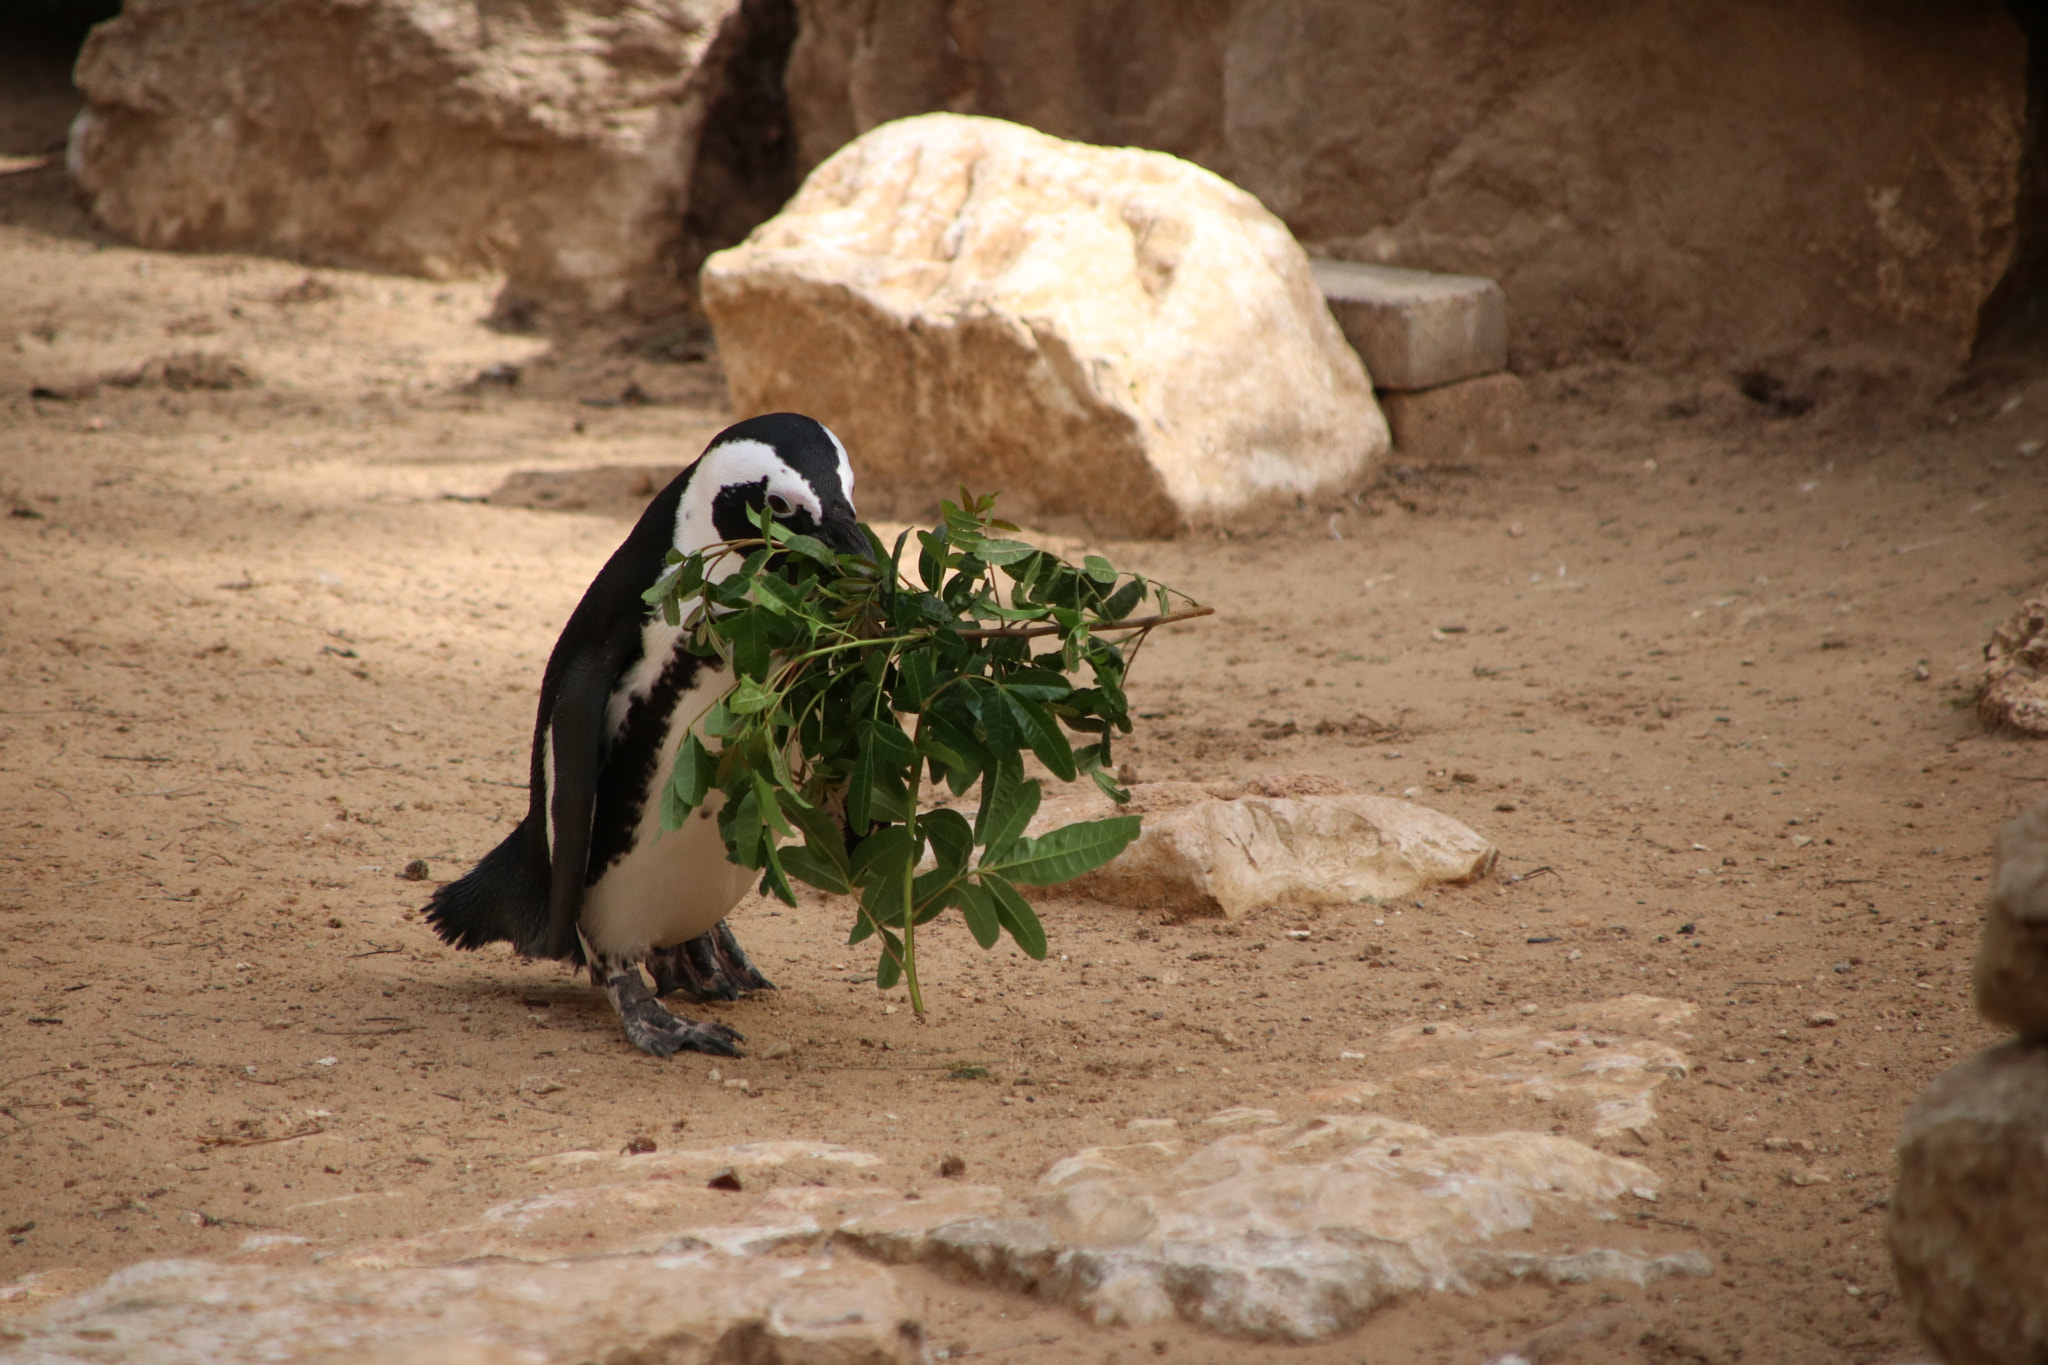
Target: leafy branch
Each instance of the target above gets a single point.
(807, 759)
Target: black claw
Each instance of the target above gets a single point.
(711, 966)
(652, 1029)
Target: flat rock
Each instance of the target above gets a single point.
(2013, 691)
(1460, 421)
(1106, 336)
(1417, 329)
(1969, 1217)
(1209, 849)
(1297, 1232)
(1607, 1058)
(693, 1306)
(2011, 972)
(553, 143)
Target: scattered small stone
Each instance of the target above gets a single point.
(1822, 1019)
(1527, 1009)
(1297, 934)
(637, 1146)
(1429, 1028)
(1806, 1178)
(1723, 1154)
(416, 870)
(1505, 806)
(1779, 1144)
(725, 1179)
(952, 1167)
(540, 1085)
(1467, 778)
(777, 1050)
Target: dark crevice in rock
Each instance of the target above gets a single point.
(746, 166)
(2013, 321)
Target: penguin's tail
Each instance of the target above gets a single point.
(504, 897)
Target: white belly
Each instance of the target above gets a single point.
(674, 884)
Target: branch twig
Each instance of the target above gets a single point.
(1128, 623)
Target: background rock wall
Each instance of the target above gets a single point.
(1670, 180)
(550, 141)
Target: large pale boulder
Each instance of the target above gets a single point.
(1293, 839)
(1832, 169)
(1969, 1217)
(551, 140)
(1105, 336)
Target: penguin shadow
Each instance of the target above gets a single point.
(571, 1004)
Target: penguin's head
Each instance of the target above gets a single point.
(788, 463)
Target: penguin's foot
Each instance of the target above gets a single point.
(711, 966)
(652, 1029)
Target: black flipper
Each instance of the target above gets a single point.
(575, 729)
(652, 1029)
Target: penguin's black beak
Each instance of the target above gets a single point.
(840, 531)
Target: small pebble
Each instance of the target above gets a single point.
(1528, 1009)
(778, 1049)
(637, 1146)
(952, 1167)
(727, 1179)
(1822, 1019)
(416, 870)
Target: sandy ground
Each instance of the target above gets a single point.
(264, 644)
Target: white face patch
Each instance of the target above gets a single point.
(740, 462)
(845, 465)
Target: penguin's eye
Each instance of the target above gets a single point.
(779, 505)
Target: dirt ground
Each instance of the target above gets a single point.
(265, 639)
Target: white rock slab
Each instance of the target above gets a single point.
(766, 1310)
(1300, 1231)
(1297, 841)
(1104, 335)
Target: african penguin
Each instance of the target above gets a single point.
(589, 876)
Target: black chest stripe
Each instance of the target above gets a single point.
(627, 778)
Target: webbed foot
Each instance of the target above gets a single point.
(651, 1028)
(711, 966)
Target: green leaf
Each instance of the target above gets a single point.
(1100, 569)
(1016, 915)
(1042, 733)
(950, 837)
(978, 907)
(774, 881)
(880, 852)
(1067, 852)
(916, 671)
(751, 647)
(750, 697)
(802, 863)
(1006, 811)
(889, 966)
(689, 780)
(1124, 600)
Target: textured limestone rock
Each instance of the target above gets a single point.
(2014, 689)
(1625, 202)
(552, 142)
(695, 1307)
(1603, 1062)
(1417, 329)
(1294, 1232)
(1460, 421)
(1969, 1217)
(1106, 336)
(1224, 849)
(2012, 954)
